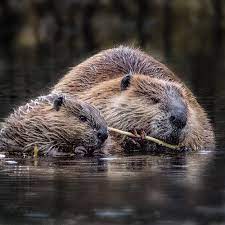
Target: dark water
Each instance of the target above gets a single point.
(128, 190)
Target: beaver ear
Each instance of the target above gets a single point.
(58, 103)
(125, 82)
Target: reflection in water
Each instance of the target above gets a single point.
(127, 190)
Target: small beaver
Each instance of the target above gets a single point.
(135, 92)
(57, 125)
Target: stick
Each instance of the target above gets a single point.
(157, 141)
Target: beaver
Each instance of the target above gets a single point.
(136, 92)
(58, 125)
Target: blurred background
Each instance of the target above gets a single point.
(41, 39)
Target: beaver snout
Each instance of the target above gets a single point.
(102, 134)
(178, 116)
(178, 119)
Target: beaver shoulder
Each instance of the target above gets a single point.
(110, 64)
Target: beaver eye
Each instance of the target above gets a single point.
(155, 100)
(83, 118)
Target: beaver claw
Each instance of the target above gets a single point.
(137, 142)
(139, 133)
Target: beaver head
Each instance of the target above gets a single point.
(55, 123)
(157, 106)
(81, 123)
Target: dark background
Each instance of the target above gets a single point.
(40, 40)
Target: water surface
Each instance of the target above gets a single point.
(141, 189)
(134, 189)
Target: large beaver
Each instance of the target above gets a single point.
(57, 125)
(134, 91)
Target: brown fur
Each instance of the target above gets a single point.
(54, 129)
(98, 79)
(110, 64)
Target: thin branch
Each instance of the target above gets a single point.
(157, 141)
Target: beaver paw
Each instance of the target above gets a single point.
(130, 145)
(139, 133)
(136, 143)
(80, 151)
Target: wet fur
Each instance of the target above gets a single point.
(53, 130)
(98, 81)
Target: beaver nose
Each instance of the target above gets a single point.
(102, 134)
(179, 118)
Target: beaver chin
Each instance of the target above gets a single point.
(174, 138)
(90, 150)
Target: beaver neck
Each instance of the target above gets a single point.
(103, 97)
(102, 92)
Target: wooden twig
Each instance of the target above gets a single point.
(157, 141)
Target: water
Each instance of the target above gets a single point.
(184, 189)
(128, 190)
